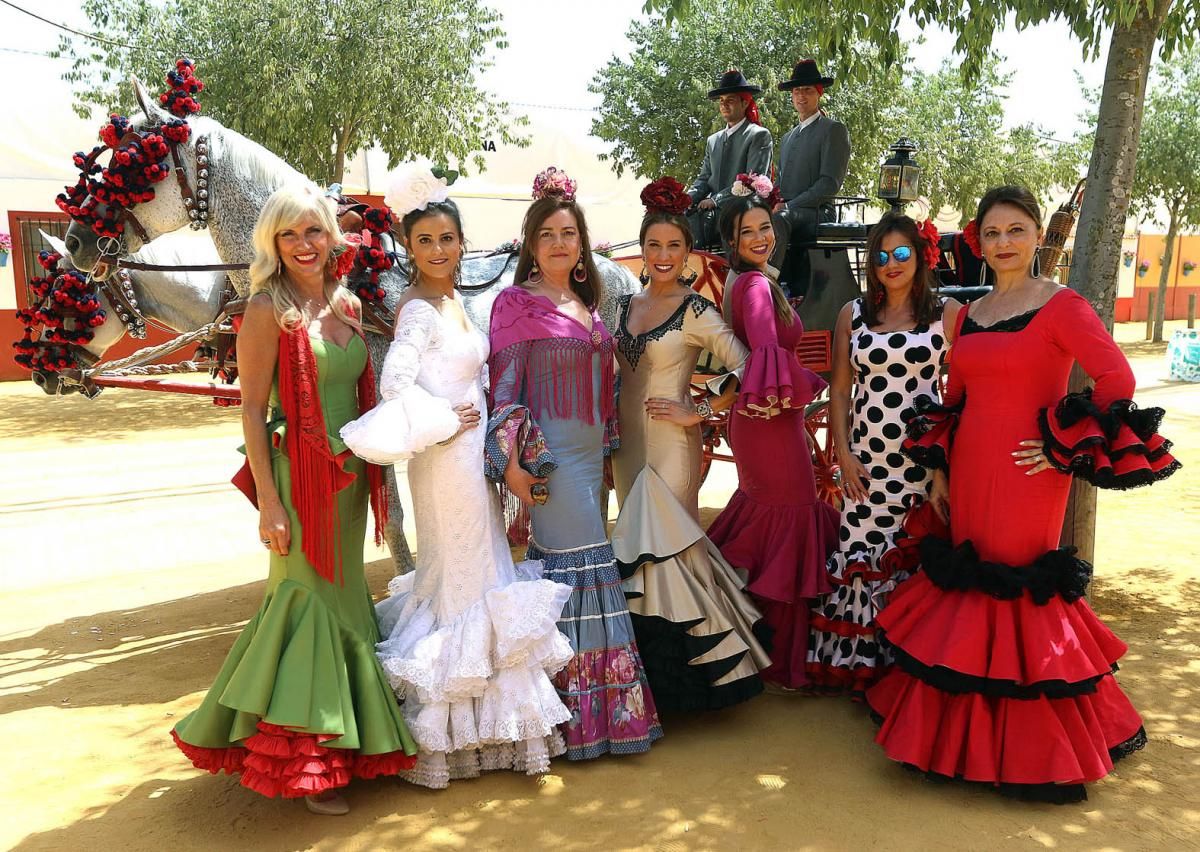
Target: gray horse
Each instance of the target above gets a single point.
(178, 300)
(241, 175)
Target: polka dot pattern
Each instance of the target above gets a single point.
(891, 369)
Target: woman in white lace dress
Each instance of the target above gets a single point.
(470, 640)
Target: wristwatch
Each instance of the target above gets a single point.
(704, 408)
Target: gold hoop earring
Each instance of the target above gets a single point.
(579, 273)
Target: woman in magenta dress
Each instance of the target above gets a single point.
(1023, 698)
(774, 528)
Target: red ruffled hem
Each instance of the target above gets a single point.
(1015, 641)
(783, 549)
(773, 381)
(854, 680)
(1002, 740)
(279, 762)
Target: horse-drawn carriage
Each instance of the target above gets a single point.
(199, 167)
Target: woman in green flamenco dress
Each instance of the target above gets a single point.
(301, 704)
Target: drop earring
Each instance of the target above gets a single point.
(689, 277)
(983, 271)
(644, 276)
(1035, 268)
(535, 274)
(579, 273)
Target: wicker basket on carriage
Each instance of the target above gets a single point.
(1058, 230)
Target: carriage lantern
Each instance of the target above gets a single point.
(900, 175)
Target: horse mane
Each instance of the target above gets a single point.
(246, 159)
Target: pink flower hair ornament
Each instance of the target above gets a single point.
(551, 182)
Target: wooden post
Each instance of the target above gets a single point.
(1150, 316)
(1191, 310)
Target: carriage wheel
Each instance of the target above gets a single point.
(820, 440)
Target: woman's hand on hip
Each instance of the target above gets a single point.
(672, 412)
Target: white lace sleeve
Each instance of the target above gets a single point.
(409, 419)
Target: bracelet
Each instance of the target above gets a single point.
(704, 408)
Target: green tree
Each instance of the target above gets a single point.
(1168, 162)
(963, 148)
(1132, 28)
(312, 80)
(656, 114)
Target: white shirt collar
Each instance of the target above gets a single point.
(729, 131)
(809, 120)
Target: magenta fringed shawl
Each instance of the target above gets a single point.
(553, 354)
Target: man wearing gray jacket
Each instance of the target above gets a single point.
(741, 147)
(813, 158)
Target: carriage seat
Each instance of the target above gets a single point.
(840, 233)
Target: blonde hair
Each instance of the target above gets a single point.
(284, 209)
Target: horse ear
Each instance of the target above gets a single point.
(55, 243)
(147, 101)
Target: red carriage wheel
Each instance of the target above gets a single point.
(824, 459)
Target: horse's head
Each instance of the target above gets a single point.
(164, 213)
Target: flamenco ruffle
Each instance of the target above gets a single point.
(1012, 648)
(773, 381)
(301, 705)
(1041, 748)
(1117, 448)
(783, 551)
(695, 627)
(482, 679)
(511, 428)
(399, 427)
(929, 428)
(604, 685)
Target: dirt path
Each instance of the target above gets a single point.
(129, 565)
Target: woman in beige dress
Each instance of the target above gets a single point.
(694, 625)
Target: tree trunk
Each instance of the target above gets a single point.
(1094, 263)
(1164, 275)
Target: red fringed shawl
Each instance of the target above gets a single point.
(317, 474)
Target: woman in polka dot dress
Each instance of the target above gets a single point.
(888, 349)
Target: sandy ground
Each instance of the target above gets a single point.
(129, 565)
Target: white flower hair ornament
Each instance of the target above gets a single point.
(414, 186)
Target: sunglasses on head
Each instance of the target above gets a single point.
(901, 253)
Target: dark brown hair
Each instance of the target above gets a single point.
(729, 224)
(665, 217)
(591, 290)
(1016, 196)
(926, 307)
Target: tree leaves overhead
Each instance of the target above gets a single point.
(315, 81)
(656, 115)
(1167, 182)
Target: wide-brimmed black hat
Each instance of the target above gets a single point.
(733, 81)
(805, 73)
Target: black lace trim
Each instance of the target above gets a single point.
(1144, 422)
(1017, 323)
(632, 346)
(954, 682)
(1055, 794)
(1056, 572)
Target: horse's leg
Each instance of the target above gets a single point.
(394, 533)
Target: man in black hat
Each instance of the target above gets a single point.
(813, 158)
(742, 146)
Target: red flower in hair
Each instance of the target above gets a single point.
(666, 195)
(929, 233)
(970, 236)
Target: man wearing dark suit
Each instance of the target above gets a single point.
(742, 146)
(813, 158)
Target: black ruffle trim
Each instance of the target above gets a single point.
(1056, 572)
(1054, 794)
(1144, 422)
(926, 415)
(666, 648)
(956, 683)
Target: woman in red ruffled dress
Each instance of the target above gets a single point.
(1004, 673)
(774, 528)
